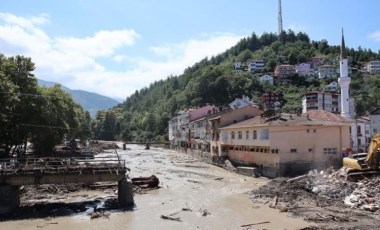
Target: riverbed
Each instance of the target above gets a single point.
(197, 195)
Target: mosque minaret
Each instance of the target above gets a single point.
(344, 81)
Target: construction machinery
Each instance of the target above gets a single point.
(364, 163)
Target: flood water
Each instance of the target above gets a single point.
(200, 195)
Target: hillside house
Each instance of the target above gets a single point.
(255, 66)
(327, 71)
(271, 100)
(303, 69)
(266, 78)
(287, 144)
(372, 67)
(242, 102)
(284, 71)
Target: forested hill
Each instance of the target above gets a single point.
(144, 115)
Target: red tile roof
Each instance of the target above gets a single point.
(313, 117)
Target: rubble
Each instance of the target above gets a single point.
(319, 191)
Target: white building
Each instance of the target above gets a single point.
(241, 102)
(255, 66)
(179, 129)
(374, 117)
(329, 102)
(303, 69)
(373, 67)
(266, 78)
(327, 71)
(360, 134)
(332, 87)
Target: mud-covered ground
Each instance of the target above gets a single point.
(192, 195)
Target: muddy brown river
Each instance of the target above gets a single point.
(198, 195)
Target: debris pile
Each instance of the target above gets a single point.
(324, 188)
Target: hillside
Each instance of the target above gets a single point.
(144, 115)
(91, 102)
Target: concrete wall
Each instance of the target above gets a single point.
(309, 142)
(266, 163)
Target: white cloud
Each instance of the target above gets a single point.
(73, 61)
(375, 36)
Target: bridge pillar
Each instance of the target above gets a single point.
(125, 192)
(9, 198)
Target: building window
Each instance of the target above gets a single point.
(310, 150)
(308, 130)
(293, 150)
(232, 135)
(264, 134)
(247, 135)
(329, 150)
(359, 141)
(314, 130)
(254, 135)
(240, 135)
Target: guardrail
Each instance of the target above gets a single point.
(50, 165)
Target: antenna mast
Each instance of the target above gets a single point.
(279, 17)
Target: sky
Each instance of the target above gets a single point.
(116, 47)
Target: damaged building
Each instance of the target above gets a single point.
(287, 144)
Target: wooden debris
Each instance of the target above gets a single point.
(247, 225)
(171, 218)
(297, 178)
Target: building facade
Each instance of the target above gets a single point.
(287, 144)
(327, 71)
(226, 118)
(255, 66)
(329, 102)
(284, 71)
(266, 78)
(303, 69)
(373, 67)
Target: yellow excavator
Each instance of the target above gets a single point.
(364, 163)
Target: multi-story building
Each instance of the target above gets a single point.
(225, 118)
(287, 144)
(284, 71)
(373, 67)
(255, 66)
(329, 102)
(303, 69)
(271, 100)
(178, 129)
(374, 117)
(266, 78)
(360, 134)
(327, 71)
(179, 126)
